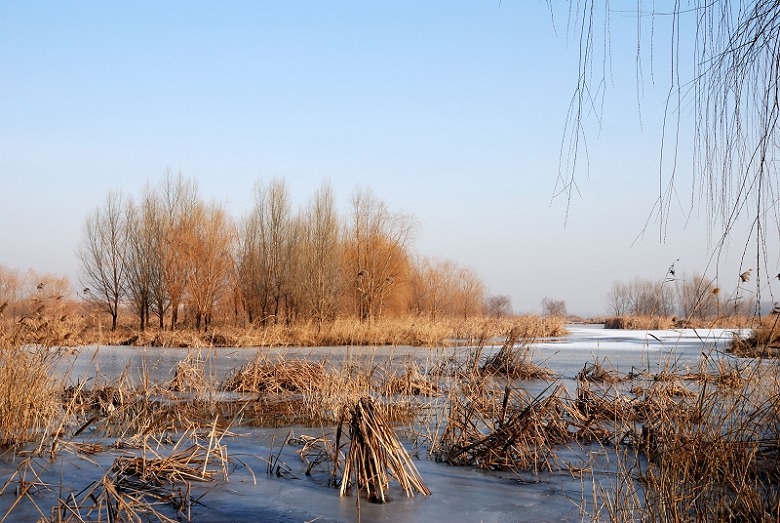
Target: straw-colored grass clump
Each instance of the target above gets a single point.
(762, 341)
(275, 377)
(513, 361)
(503, 430)
(29, 405)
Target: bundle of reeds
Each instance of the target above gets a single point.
(763, 341)
(190, 375)
(136, 487)
(112, 499)
(275, 377)
(515, 362)
(603, 414)
(598, 373)
(411, 382)
(375, 454)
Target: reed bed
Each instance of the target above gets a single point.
(763, 341)
(146, 487)
(47, 325)
(29, 405)
(598, 372)
(275, 377)
(410, 330)
(640, 322)
(703, 452)
(411, 381)
(191, 375)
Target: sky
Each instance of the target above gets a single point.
(453, 112)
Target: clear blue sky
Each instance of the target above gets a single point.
(450, 111)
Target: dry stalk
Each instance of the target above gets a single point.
(375, 454)
(506, 430)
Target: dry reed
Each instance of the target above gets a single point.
(514, 362)
(506, 429)
(375, 455)
(412, 330)
(29, 402)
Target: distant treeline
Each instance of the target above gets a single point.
(686, 296)
(170, 258)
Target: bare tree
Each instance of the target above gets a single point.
(619, 298)
(266, 243)
(248, 267)
(551, 307)
(177, 199)
(651, 298)
(499, 306)
(320, 269)
(376, 250)
(210, 254)
(470, 294)
(103, 252)
(142, 262)
(434, 287)
(698, 297)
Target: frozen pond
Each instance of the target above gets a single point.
(621, 349)
(459, 494)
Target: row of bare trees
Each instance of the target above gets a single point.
(689, 296)
(171, 258)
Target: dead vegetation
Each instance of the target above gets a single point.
(69, 327)
(29, 406)
(513, 361)
(375, 455)
(503, 430)
(660, 322)
(690, 444)
(763, 341)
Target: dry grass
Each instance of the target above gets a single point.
(513, 361)
(275, 377)
(762, 342)
(598, 373)
(500, 428)
(639, 322)
(705, 452)
(29, 402)
(408, 330)
(410, 382)
(634, 322)
(138, 487)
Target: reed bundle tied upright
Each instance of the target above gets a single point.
(375, 454)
